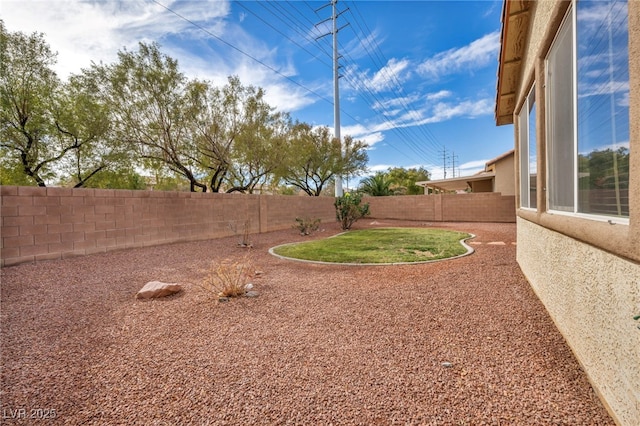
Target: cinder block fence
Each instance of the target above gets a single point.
(54, 223)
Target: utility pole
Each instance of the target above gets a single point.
(336, 84)
(453, 163)
(444, 161)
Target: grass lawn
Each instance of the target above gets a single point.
(382, 245)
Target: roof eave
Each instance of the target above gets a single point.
(515, 26)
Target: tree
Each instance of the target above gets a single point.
(405, 180)
(83, 121)
(377, 185)
(117, 178)
(28, 87)
(312, 158)
(148, 97)
(258, 150)
(239, 136)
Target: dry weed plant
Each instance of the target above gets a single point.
(243, 237)
(228, 278)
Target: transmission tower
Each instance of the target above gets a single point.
(336, 78)
(454, 157)
(444, 161)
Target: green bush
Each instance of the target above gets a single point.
(349, 210)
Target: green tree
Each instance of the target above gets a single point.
(28, 87)
(12, 172)
(405, 180)
(118, 178)
(377, 185)
(312, 157)
(216, 126)
(83, 120)
(152, 110)
(239, 136)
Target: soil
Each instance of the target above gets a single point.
(462, 341)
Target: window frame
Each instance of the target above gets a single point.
(570, 16)
(524, 133)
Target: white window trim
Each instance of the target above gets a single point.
(525, 110)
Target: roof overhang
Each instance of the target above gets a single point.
(456, 184)
(513, 37)
(500, 158)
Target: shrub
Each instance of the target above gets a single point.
(306, 226)
(349, 210)
(228, 278)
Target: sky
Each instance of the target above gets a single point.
(418, 78)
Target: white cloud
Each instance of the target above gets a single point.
(395, 102)
(388, 76)
(624, 100)
(604, 88)
(475, 55)
(372, 138)
(369, 135)
(438, 95)
(94, 31)
(82, 32)
(470, 109)
(362, 46)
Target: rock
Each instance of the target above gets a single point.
(248, 287)
(154, 289)
(223, 299)
(252, 293)
(447, 364)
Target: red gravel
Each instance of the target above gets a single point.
(322, 344)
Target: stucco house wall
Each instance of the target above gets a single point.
(585, 270)
(505, 176)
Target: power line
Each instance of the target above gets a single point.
(287, 17)
(240, 51)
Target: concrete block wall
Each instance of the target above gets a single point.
(54, 223)
(480, 207)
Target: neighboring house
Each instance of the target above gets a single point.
(497, 176)
(569, 81)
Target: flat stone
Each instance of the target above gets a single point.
(155, 289)
(252, 293)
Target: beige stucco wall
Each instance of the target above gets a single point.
(591, 296)
(482, 186)
(586, 271)
(505, 181)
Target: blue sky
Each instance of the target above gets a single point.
(419, 77)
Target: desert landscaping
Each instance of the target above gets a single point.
(463, 341)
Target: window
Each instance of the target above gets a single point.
(528, 156)
(560, 116)
(588, 111)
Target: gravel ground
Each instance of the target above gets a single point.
(322, 344)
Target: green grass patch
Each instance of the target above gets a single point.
(381, 245)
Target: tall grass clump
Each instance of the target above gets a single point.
(228, 278)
